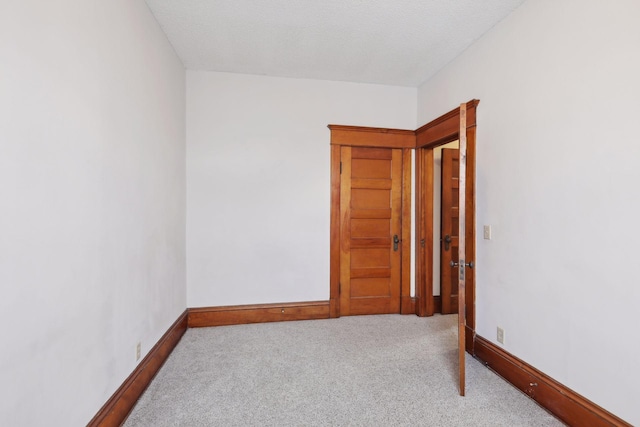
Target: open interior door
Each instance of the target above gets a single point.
(462, 262)
(449, 212)
(458, 124)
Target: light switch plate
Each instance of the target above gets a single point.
(487, 232)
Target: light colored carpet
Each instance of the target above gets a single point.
(387, 370)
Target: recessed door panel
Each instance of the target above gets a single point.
(374, 286)
(371, 169)
(370, 257)
(370, 199)
(370, 228)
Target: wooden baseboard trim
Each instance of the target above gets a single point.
(408, 305)
(564, 403)
(257, 313)
(470, 339)
(118, 407)
(334, 308)
(437, 304)
(423, 311)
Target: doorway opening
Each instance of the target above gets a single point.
(445, 227)
(438, 133)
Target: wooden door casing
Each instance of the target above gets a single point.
(440, 131)
(367, 137)
(370, 218)
(449, 230)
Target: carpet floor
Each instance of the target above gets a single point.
(386, 370)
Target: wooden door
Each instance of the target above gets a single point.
(460, 124)
(370, 230)
(462, 263)
(449, 230)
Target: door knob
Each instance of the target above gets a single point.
(455, 264)
(395, 242)
(447, 242)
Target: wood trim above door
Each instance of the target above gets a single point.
(356, 136)
(445, 128)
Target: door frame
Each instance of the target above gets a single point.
(440, 131)
(356, 136)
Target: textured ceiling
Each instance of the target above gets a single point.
(392, 42)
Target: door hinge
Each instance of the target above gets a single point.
(340, 168)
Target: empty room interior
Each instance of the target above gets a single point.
(167, 166)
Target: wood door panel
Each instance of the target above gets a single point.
(370, 228)
(370, 218)
(371, 305)
(370, 213)
(450, 288)
(374, 286)
(370, 168)
(361, 273)
(371, 153)
(370, 257)
(370, 199)
(371, 242)
(455, 172)
(378, 184)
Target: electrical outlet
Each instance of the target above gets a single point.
(487, 232)
(500, 336)
(138, 351)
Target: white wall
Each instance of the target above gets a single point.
(258, 181)
(92, 206)
(558, 180)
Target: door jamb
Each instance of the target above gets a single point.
(438, 132)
